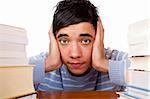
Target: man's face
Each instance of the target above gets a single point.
(76, 43)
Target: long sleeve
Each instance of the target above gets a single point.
(118, 63)
(39, 69)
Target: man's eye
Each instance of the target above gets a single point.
(87, 41)
(64, 42)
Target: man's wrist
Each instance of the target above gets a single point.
(47, 62)
(102, 65)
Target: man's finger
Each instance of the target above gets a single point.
(99, 31)
(53, 43)
(50, 32)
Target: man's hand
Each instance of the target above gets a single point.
(99, 61)
(53, 60)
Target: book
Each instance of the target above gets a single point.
(9, 46)
(13, 39)
(16, 81)
(12, 61)
(138, 79)
(12, 30)
(139, 38)
(133, 92)
(139, 49)
(140, 63)
(13, 34)
(138, 92)
(13, 54)
(126, 95)
(137, 85)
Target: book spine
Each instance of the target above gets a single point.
(10, 54)
(138, 88)
(12, 30)
(13, 39)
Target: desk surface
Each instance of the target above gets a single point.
(77, 95)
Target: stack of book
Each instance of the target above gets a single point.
(138, 75)
(139, 45)
(16, 75)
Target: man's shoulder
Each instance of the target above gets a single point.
(38, 57)
(54, 73)
(114, 54)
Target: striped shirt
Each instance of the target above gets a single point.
(62, 80)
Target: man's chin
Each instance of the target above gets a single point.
(79, 73)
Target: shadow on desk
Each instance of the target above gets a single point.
(77, 95)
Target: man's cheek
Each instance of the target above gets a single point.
(63, 59)
(63, 56)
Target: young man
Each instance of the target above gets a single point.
(77, 60)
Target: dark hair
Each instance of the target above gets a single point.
(69, 12)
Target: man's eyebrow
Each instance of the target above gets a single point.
(86, 34)
(61, 35)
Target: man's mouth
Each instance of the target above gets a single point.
(76, 65)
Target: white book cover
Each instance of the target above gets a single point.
(12, 30)
(139, 49)
(13, 54)
(139, 31)
(13, 61)
(13, 39)
(132, 95)
(139, 79)
(142, 63)
(9, 46)
(142, 94)
(139, 38)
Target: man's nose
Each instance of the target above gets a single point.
(75, 51)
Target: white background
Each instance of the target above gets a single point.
(36, 17)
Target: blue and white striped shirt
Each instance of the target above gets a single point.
(62, 80)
